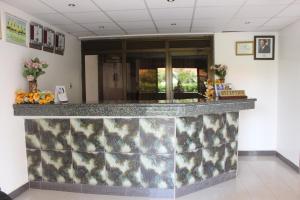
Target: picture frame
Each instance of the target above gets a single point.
(36, 36)
(59, 43)
(264, 47)
(16, 32)
(244, 48)
(48, 40)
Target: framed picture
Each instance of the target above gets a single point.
(15, 30)
(48, 40)
(59, 43)
(0, 27)
(264, 47)
(36, 36)
(244, 48)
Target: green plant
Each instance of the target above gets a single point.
(34, 68)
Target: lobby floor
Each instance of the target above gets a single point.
(259, 178)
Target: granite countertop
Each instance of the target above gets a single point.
(175, 108)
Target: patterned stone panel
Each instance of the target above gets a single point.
(87, 135)
(214, 130)
(157, 136)
(55, 134)
(189, 168)
(231, 156)
(122, 135)
(34, 165)
(157, 171)
(213, 161)
(89, 168)
(232, 124)
(32, 134)
(123, 170)
(188, 131)
(57, 166)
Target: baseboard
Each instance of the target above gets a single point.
(20, 190)
(288, 162)
(271, 153)
(257, 153)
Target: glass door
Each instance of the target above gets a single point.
(188, 73)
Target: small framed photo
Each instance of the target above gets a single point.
(59, 43)
(244, 48)
(48, 41)
(36, 36)
(264, 47)
(60, 94)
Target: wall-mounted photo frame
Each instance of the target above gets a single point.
(48, 40)
(59, 43)
(15, 30)
(36, 36)
(264, 47)
(244, 48)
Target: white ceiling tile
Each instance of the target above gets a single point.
(170, 23)
(172, 13)
(281, 21)
(249, 22)
(137, 25)
(30, 6)
(82, 34)
(269, 28)
(216, 12)
(130, 15)
(70, 27)
(220, 3)
(53, 18)
(87, 17)
(291, 11)
(141, 31)
(269, 2)
(259, 11)
(109, 5)
(240, 28)
(80, 5)
(210, 22)
(110, 32)
(101, 26)
(166, 4)
(175, 30)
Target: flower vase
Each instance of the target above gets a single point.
(33, 86)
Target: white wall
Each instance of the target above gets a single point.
(288, 142)
(258, 127)
(62, 71)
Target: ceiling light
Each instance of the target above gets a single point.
(71, 4)
(247, 22)
(173, 24)
(101, 27)
(170, 0)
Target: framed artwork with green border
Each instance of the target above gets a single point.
(15, 30)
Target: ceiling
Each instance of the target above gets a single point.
(126, 17)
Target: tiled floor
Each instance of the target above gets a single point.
(259, 178)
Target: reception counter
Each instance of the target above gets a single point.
(158, 149)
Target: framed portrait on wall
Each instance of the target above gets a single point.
(48, 40)
(244, 48)
(264, 47)
(36, 36)
(59, 43)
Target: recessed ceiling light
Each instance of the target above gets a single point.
(173, 24)
(71, 4)
(247, 22)
(170, 0)
(101, 27)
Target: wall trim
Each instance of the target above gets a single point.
(20, 190)
(271, 153)
(288, 162)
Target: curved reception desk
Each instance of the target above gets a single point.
(158, 149)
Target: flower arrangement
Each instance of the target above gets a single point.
(33, 68)
(220, 70)
(210, 89)
(40, 97)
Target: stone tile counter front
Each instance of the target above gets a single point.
(150, 155)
